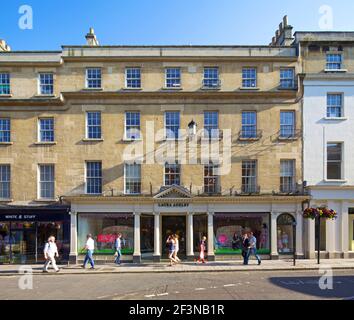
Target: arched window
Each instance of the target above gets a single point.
(285, 233)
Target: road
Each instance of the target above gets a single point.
(182, 286)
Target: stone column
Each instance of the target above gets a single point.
(344, 218)
(310, 252)
(137, 252)
(157, 238)
(73, 238)
(210, 240)
(274, 238)
(299, 235)
(190, 247)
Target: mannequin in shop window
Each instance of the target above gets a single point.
(263, 237)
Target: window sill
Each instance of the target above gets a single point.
(249, 139)
(6, 200)
(92, 89)
(6, 143)
(5, 95)
(339, 181)
(335, 70)
(335, 118)
(211, 139)
(288, 138)
(38, 96)
(45, 200)
(131, 140)
(132, 89)
(93, 140)
(45, 143)
(211, 88)
(174, 139)
(250, 88)
(172, 88)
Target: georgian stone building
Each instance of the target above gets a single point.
(149, 141)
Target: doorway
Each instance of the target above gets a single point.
(174, 225)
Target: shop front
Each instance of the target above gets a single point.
(25, 230)
(146, 222)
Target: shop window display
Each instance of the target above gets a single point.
(104, 229)
(285, 234)
(229, 228)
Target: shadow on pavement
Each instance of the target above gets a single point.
(343, 286)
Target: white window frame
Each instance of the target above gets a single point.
(179, 125)
(96, 79)
(215, 82)
(125, 178)
(132, 126)
(39, 139)
(329, 63)
(177, 174)
(287, 188)
(86, 177)
(255, 177)
(39, 183)
(40, 85)
(9, 130)
(7, 181)
(5, 84)
(341, 178)
(87, 125)
(132, 79)
(213, 176)
(341, 94)
(250, 79)
(175, 85)
(292, 86)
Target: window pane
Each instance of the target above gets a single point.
(287, 78)
(46, 83)
(173, 77)
(93, 78)
(287, 123)
(249, 176)
(172, 174)
(5, 130)
(132, 178)
(172, 123)
(249, 125)
(94, 125)
(46, 128)
(133, 78)
(334, 161)
(249, 77)
(46, 181)
(334, 105)
(211, 77)
(4, 83)
(5, 181)
(94, 177)
(132, 125)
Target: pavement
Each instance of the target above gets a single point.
(185, 267)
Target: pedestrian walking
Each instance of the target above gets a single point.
(175, 255)
(171, 249)
(50, 252)
(202, 247)
(253, 248)
(118, 249)
(245, 248)
(89, 247)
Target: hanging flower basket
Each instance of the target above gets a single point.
(323, 213)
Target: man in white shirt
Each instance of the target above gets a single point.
(89, 247)
(118, 248)
(50, 252)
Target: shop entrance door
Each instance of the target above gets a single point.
(174, 225)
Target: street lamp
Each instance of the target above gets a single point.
(192, 129)
(294, 242)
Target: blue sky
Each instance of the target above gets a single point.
(129, 22)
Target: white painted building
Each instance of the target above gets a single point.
(328, 152)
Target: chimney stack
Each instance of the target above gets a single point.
(284, 35)
(4, 46)
(91, 39)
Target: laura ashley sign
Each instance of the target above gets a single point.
(174, 205)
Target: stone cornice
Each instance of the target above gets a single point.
(278, 94)
(194, 200)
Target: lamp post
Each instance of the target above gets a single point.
(192, 129)
(294, 242)
(318, 226)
